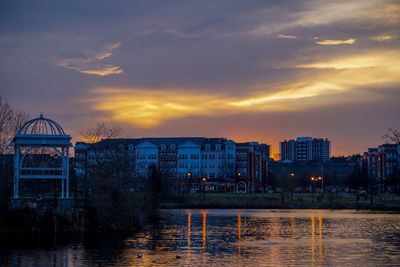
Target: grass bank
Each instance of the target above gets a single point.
(282, 201)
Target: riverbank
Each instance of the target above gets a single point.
(282, 201)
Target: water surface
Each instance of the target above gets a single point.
(231, 238)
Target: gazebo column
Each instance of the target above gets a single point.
(67, 172)
(62, 188)
(17, 167)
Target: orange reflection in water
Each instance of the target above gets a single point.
(239, 229)
(189, 224)
(204, 229)
(312, 238)
(320, 241)
(275, 226)
(320, 245)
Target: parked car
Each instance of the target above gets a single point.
(299, 190)
(278, 190)
(362, 193)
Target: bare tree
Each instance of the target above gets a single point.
(392, 135)
(101, 131)
(10, 122)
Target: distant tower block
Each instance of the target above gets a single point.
(42, 152)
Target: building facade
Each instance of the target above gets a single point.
(305, 149)
(191, 164)
(252, 163)
(382, 165)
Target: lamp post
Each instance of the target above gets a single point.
(316, 179)
(189, 174)
(321, 178)
(312, 189)
(237, 181)
(293, 184)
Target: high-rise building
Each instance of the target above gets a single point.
(305, 149)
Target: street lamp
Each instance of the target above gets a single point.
(189, 175)
(293, 184)
(312, 188)
(322, 183)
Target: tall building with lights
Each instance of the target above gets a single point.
(305, 149)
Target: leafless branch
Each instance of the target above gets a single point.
(392, 136)
(101, 131)
(10, 122)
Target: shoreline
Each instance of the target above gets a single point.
(281, 201)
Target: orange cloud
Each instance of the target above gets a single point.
(150, 107)
(337, 42)
(383, 38)
(91, 63)
(284, 36)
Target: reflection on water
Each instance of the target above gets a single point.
(233, 237)
(314, 259)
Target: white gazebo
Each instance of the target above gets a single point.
(42, 152)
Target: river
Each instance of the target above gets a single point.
(228, 238)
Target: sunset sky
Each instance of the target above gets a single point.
(246, 70)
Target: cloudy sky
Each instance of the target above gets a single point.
(246, 70)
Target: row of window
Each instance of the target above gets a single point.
(191, 156)
(186, 166)
(150, 156)
(205, 156)
(181, 156)
(173, 147)
(206, 166)
(211, 175)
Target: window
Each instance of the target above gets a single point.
(208, 147)
(218, 147)
(152, 156)
(130, 147)
(163, 147)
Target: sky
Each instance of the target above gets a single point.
(246, 70)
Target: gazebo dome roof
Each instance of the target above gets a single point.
(41, 126)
